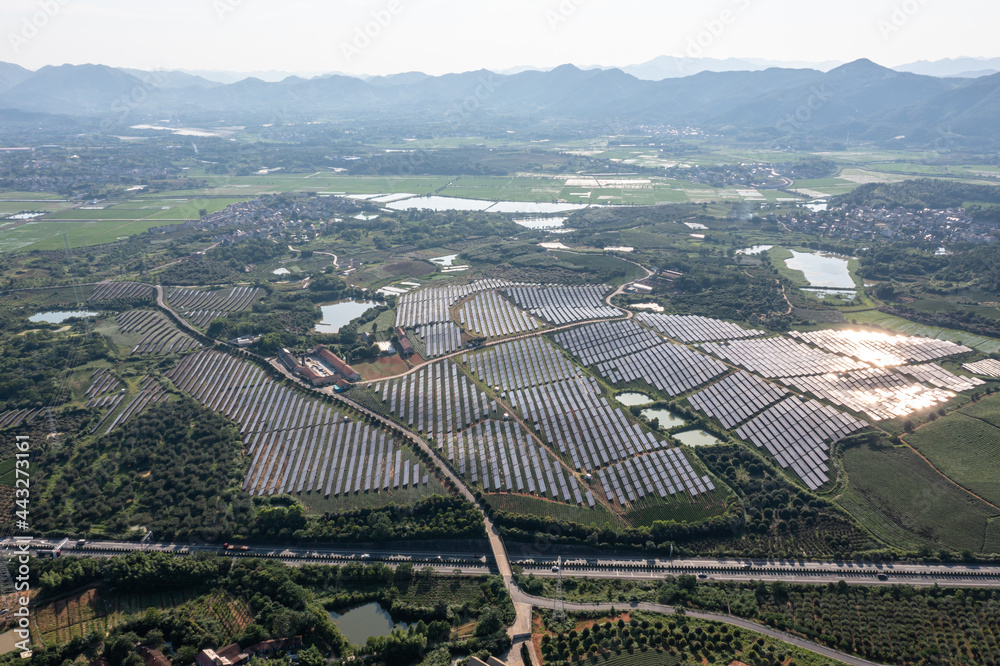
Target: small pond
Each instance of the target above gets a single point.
(338, 315)
(822, 270)
(756, 249)
(361, 623)
(695, 438)
(58, 317)
(447, 260)
(666, 417)
(633, 399)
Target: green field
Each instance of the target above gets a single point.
(987, 409)
(965, 449)
(903, 501)
(533, 506)
(83, 228)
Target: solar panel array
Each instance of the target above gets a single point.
(989, 367)
(606, 340)
(561, 304)
(296, 444)
(102, 381)
(573, 417)
(501, 457)
(520, 364)
(734, 399)
(492, 316)
(159, 335)
(437, 399)
(16, 417)
(796, 432)
(430, 306)
(662, 473)
(441, 339)
(201, 307)
(878, 392)
(780, 357)
(935, 375)
(110, 291)
(691, 328)
(671, 368)
(150, 393)
(882, 348)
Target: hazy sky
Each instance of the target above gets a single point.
(438, 36)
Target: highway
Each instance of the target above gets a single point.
(638, 568)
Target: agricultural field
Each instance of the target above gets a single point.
(98, 610)
(650, 639)
(903, 501)
(964, 448)
(82, 228)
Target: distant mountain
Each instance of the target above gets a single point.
(959, 67)
(226, 78)
(670, 67)
(168, 79)
(969, 110)
(11, 75)
(854, 93)
(860, 99)
(72, 90)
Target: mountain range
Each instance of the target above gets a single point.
(860, 100)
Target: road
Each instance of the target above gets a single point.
(520, 597)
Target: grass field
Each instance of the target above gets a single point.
(679, 508)
(533, 506)
(965, 449)
(95, 610)
(602, 262)
(903, 501)
(93, 227)
(987, 409)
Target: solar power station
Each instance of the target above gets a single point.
(882, 349)
(877, 392)
(296, 444)
(780, 357)
(798, 434)
(113, 291)
(490, 315)
(201, 307)
(989, 367)
(159, 335)
(626, 352)
(691, 328)
(736, 398)
(440, 339)
(560, 304)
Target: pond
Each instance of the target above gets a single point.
(58, 317)
(361, 623)
(756, 249)
(666, 418)
(448, 260)
(822, 270)
(338, 315)
(633, 399)
(695, 438)
(439, 203)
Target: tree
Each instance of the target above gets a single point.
(311, 656)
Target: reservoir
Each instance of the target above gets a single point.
(58, 317)
(822, 270)
(338, 315)
(361, 623)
